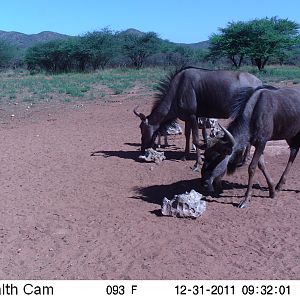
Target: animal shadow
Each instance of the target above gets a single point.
(133, 144)
(291, 190)
(155, 193)
(133, 155)
(227, 185)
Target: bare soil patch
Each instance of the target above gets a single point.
(68, 215)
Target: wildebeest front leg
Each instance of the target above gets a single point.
(198, 160)
(159, 140)
(187, 133)
(204, 134)
(166, 140)
(270, 182)
(293, 154)
(251, 171)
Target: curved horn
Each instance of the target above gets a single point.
(229, 136)
(136, 112)
(140, 115)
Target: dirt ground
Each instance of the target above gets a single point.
(68, 215)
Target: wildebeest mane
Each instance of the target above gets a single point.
(164, 85)
(242, 97)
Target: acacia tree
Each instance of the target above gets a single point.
(273, 37)
(258, 39)
(101, 47)
(231, 43)
(53, 56)
(139, 47)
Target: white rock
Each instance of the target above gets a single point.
(152, 155)
(187, 205)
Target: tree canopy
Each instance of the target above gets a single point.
(259, 40)
(94, 49)
(139, 47)
(7, 53)
(103, 48)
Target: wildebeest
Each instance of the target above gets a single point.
(190, 93)
(170, 128)
(269, 114)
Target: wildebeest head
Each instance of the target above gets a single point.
(216, 158)
(148, 131)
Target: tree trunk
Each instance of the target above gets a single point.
(241, 60)
(232, 58)
(265, 61)
(258, 63)
(82, 65)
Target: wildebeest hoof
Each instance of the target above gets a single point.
(183, 158)
(196, 168)
(242, 205)
(278, 188)
(272, 194)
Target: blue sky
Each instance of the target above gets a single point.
(186, 21)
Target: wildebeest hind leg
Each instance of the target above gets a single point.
(293, 154)
(196, 142)
(270, 182)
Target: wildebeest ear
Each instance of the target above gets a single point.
(138, 114)
(142, 117)
(227, 149)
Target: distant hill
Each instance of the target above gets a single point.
(200, 45)
(133, 31)
(24, 41)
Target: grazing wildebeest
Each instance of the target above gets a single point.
(190, 93)
(169, 128)
(269, 114)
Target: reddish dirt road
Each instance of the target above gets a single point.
(68, 215)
